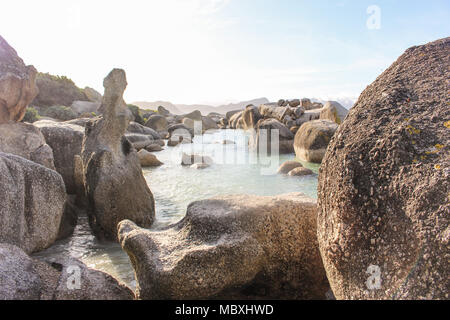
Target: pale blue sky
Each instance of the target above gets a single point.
(214, 51)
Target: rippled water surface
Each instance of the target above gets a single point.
(235, 170)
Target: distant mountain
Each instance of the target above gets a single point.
(154, 105)
(204, 109)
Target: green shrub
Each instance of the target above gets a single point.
(31, 115)
(136, 114)
(59, 113)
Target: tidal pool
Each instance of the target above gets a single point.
(236, 170)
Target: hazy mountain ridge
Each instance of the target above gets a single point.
(204, 109)
(222, 109)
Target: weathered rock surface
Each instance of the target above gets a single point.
(231, 247)
(71, 279)
(32, 201)
(157, 122)
(148, 159)
(269, 131)
(17, 84)
(93, 95)
(383, 225)
(250, 117)
(333, 111)
(18, 278)
(312, 139)
(115, 185)
(66, 141)
(26, 140)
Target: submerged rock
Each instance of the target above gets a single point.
(26, 140)
(240, 246)
(299, 172)
(312, 139)
(115, 185)
(190, 159)
(287, 166)
(148, 159)
(17, 84)
(32, 201)
(383, 224)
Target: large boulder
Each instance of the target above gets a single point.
(312, 139)
(229, 114)
(383, 225)
(66, 141)
(71, 279)
(26, 140)
(115, 186)
(17, 84)
(85, 107)
(333, 111)
(209, 124)
(235, 120)
(135, 127)
(18, 277)
(163, 111)
(93, 95)
(246, 247)
(194, 115)
(32, 201)
(148, 159)
(268, 131)
(278, 113)
(157, 123)
(250, 117)
(288, 166)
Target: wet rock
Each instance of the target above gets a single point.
(200, 166)
(26, 140)
(244, 247)
(312, 139)
(299, 172)
(190, 159)
(115, 186)
(287, 166)
(32, 201)
(17, 84)
(383, 224)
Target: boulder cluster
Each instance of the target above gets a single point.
(379, 230)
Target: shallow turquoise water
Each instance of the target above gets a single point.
(235, 170)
